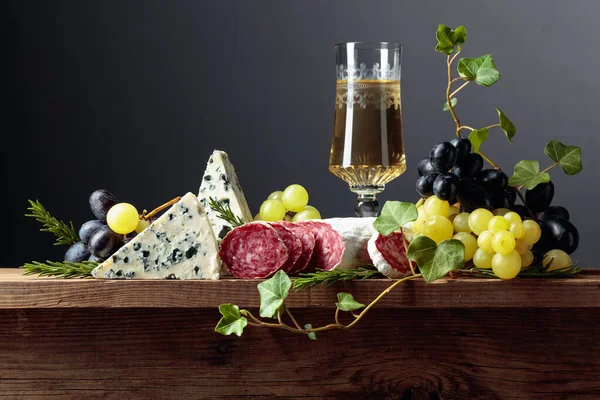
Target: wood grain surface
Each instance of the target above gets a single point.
(20, 292)
(395, 354)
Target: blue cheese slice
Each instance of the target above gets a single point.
(179, 245)
(221, 183)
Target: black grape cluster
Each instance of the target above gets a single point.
(453, 173)
(558, 232)
(98, 241)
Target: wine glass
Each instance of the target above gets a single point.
(367, 148)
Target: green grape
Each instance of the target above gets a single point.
(500, 211)
(470, 244)
(479, 220)
(504, 242)
(517, 229)
(522, 247)
(453, 211)
(143, 224)
(295, 198)
(506, 266)
(123, 218)
(481, 259)
(257, 217)
(559, 259)
(498, 224)
(307, 213)
(512, 217)
(438, 228)
(533, 232)
(420, 221)
(272, 210)
(461, 222)
(278, 195)
(434, 206)
(484, 241)
(526, 259)
(288, 217)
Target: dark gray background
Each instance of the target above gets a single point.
(133, 96)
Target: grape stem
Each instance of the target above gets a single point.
(449, 88)
(486, 158)
(405, 242)
(159, 209)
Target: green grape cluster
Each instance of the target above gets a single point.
(290, 204)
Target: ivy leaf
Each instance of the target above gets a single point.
(527, 173)
(453, 101)
(346, 302)
(568, 157)
(481, 69)
(435, 261)
(232, 321)
(272, 294)
(394, 215)
(448, 38)
(477, 137)
(506, 125)
(312, 335)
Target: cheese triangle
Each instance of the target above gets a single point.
(221, 183)
(180, 244)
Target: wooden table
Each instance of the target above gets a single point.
(453, 339)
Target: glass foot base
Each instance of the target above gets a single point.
(366, 206)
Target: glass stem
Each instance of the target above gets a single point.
(366, 205)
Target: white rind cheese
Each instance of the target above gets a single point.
(356, 233)
(221, 183)
(380, 262)
(178, 245)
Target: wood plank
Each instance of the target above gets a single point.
(395, 354)
(18, 292)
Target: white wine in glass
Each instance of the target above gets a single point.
(367, 148)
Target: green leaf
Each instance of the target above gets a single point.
(435, 261)
(272, 294)
(507, 126)
(453, 101)
(311, 335)
(346, 302)
(394, 215)
(480, 69)
(527, 173)
(232, 321)
(477, 137)
(568, 157)
(448, 38)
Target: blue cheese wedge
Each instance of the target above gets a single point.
(179, 245)
(221, 183)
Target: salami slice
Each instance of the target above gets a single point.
(307, 238)
(253, 250)
(329, 245)
(291, 241)
(389, 254)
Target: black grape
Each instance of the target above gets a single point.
(87, 230)
(425, 167)
(492, 180)
(563, 233)
(445, 186)
(472, 196)
(553, 211)
(505, 198)
(100, 202)
(540, 197)
(104, 242)
(95, 259)
(463, 147)
(425, 184)
(77, 253)
(522, 211)
(443, 156)
(545, 244)
(469, 166)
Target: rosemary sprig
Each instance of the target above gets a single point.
(224, 212)
(326, 278)
(60, 269)
(65, 233)
(537, 271)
